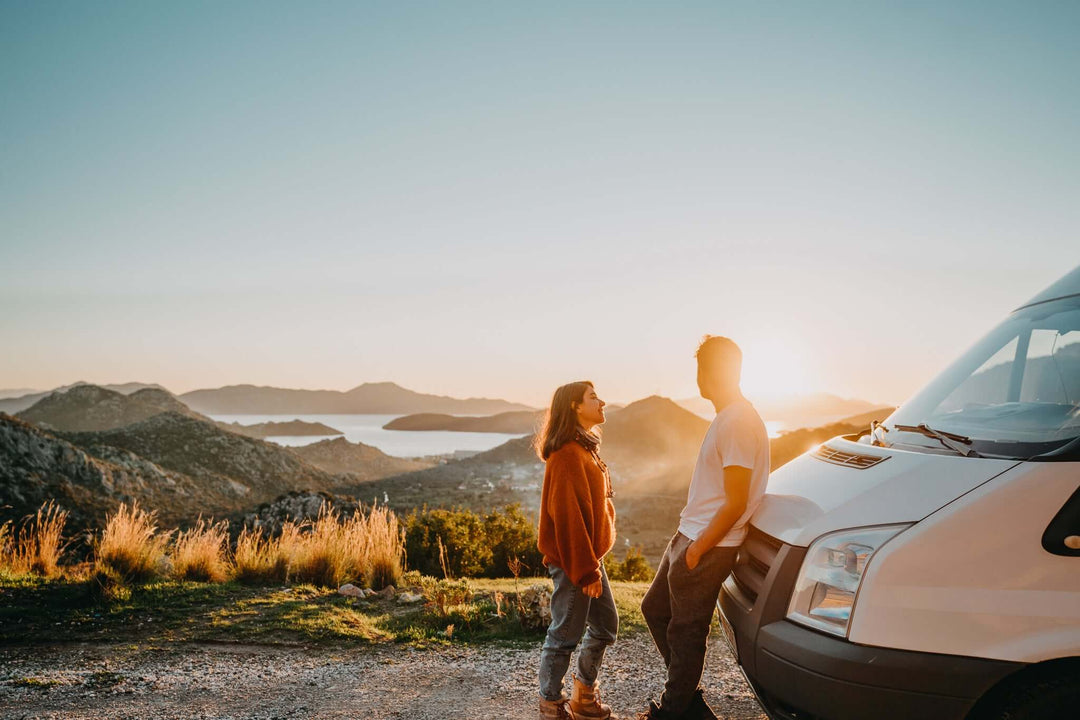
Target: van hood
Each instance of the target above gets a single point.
(843, 484)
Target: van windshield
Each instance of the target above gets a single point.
(1015, 394)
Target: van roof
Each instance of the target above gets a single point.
(1067, 285)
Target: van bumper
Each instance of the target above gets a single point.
(801, 674)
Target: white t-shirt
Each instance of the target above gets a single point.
(737, 436)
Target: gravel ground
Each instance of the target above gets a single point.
(94, 681)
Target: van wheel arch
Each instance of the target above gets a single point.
(1038, 692)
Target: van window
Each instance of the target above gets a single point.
(1015, 394)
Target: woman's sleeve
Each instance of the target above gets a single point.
(570, 507)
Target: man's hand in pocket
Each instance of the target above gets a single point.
(693, 555)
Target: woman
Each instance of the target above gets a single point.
(577, 528)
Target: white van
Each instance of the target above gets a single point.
(930, 568)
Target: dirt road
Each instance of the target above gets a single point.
(99, 682)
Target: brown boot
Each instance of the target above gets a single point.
(555, 710)
(585, 703)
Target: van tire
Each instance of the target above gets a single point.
(1048, 698)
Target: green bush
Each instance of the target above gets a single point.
(472, 545)
(633, 568)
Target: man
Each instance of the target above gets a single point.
(728, 482)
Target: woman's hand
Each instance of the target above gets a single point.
(594, 589)
(693, 555)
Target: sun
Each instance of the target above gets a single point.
(775, 367)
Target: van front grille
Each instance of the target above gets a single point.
(851, 460)
(752, 564)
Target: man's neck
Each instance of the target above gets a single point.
(723, 400)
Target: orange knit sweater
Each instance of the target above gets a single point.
(577, 518)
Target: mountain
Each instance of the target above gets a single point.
(368, 399)
(9, 393)
(795, 411)
(292, 428)
(14, 404)
(364, 462)
(203, 451)
(651, 437)
(863, 420)
(513, 423)
(36, 466)
(93, 408)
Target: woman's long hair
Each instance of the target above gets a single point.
(561, 423)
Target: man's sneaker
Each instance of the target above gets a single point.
(555, 710)
(655, 712)
(699, 709)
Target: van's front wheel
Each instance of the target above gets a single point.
(1045, 697)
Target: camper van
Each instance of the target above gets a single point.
(930, 567)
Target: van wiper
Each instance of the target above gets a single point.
(954, 442)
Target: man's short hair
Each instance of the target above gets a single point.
(719, 356)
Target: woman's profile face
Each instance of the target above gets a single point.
(590, 411)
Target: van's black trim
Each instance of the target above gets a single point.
(1064, 524)
(801, 674)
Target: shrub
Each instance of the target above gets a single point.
(130, 545)
(199, 553)
(473, 545)
(38, 545)
(443, 596)
(633, 568)
(512, 536)
(107, 586)
(461, 534)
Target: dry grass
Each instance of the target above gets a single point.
(199, 554)
(131, 546)
(260, 560)
(37, 546)
(365, 549)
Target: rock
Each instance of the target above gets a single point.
(350, 590)
(534, 608)
(407, 598)
(387, 592)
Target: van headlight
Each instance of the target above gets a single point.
(825, 591)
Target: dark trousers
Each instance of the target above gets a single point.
(679, 609)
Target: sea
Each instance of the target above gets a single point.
(368, 429)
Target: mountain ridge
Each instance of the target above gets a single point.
(381, 398)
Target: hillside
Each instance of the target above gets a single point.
(12, 403)
(259, 470)
(89, 408)
(383, 398)
(36, 466)
(363, 462)
(518, 422)
(292, 428)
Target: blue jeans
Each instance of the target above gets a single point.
(574, 614)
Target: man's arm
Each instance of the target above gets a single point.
(737, 491)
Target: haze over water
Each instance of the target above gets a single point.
(368, 429)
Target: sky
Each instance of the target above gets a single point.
(494, 198)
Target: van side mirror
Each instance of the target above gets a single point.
(1062, 536)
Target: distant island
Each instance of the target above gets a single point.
(513, 423)
(384, 398)
(279, 429)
